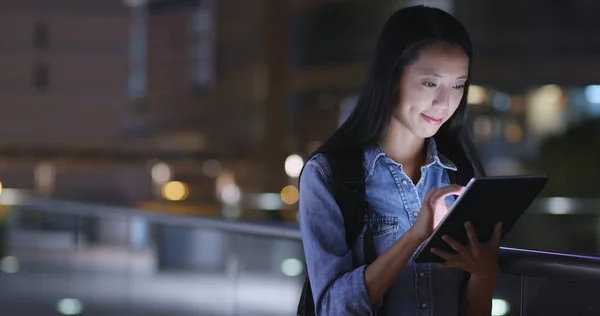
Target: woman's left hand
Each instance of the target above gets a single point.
(479, 259)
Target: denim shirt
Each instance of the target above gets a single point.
(338, 285)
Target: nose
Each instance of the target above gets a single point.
(442, 99)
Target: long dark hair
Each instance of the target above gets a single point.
(404, 34)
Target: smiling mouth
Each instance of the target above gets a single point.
(432, 120)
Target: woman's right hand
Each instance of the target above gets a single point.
(433, 210)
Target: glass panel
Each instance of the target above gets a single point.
(271, 275)
(193, 274)
(549, 297)
(67, 264)
(507, 296)
(123, 265)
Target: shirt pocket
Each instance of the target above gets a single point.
(384, 229)
(381, 225)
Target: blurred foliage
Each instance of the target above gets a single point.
(572, 161)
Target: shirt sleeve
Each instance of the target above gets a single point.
(338, 287)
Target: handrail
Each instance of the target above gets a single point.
(526, 262)
(275, 229)
(547, 205)
(536, 263)
(542, 206)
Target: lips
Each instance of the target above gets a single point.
(432, 120)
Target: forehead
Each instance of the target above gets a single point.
(442, 59)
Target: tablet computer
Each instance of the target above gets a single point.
(484, 202)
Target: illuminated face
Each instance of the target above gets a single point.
(431, 88)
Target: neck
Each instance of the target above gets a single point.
(402, 145)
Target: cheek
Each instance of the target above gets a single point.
(407, 107)
(456, 101)
(416, 99)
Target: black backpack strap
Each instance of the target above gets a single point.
(452, 176)
(306, 305)
(349, 189)
(457, 177)
(349, 193)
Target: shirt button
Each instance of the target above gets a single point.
(415, 213)
(404, 182)
(421, 274)
(424, 305)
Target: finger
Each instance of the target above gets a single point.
(450, 265)
(497, 235)
(427, 197)
(460, 248)
(440, 193)
(444, 255)
(473, 240)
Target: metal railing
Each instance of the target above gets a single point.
(524, 262)
(526, 266)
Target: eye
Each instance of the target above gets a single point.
(429, 84)
(459, 87)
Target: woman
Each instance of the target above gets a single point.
(409, 119)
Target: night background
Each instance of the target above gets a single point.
(149, 149)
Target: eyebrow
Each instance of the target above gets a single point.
(440, 76)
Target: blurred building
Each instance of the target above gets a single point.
(250, 83)
(65, 67)
(105, 81)
(64, 70)
(215, 80)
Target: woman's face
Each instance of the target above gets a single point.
(431, 88)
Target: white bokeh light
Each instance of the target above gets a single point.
(292, 267)
(9, 264)
(161, 173)
(231, 194)
(69, 306)
(500, 307)
(293, 166)
(592, 94)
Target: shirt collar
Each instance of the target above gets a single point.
(434, 157)
(375, 152)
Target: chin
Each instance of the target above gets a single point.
(427, 132)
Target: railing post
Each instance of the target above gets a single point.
(233, 270)
(523, 295)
